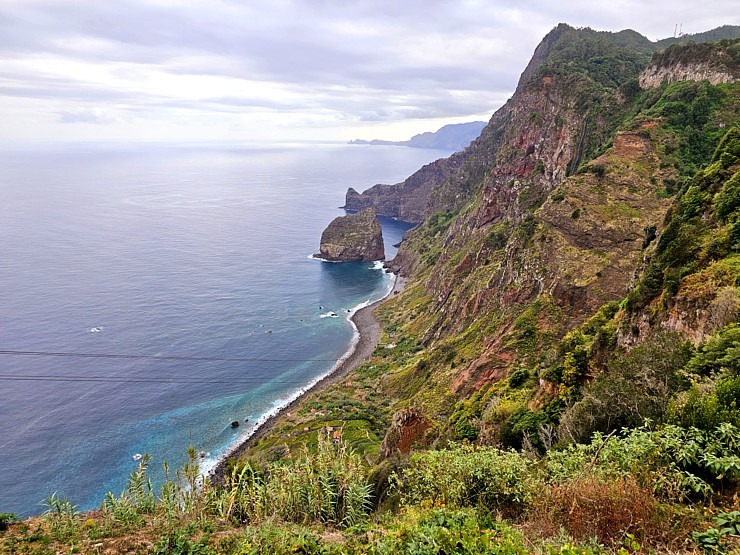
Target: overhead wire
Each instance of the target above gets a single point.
(149, 379)
(159, 357)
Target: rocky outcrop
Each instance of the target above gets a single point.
(406, 431)
(693, 62)
(654, 76)
(410, 200)
(353, 238)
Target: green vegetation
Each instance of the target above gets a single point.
(698, 235)
(606, 58)
(613, 493)
(725, 52)
(687, 108)
(518, 401)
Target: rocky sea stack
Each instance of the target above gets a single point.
(353, 238)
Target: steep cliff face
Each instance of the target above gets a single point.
(590, 219)
(540, 130)
(555, 227)
(690, 281)
(352, 238)
(407, 201)
(694, 62)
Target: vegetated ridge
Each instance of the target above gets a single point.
(561, 374)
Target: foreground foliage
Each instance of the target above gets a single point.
(616, 494)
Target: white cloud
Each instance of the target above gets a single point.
(330, 69)
(97, 116)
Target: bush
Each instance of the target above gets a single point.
(7, 519)
(727, 200)
(328, 486)
(596, 507)
(179, 543)
(706, 410)
(719, 353)
(62, 516)
(466, 476)
(445, 531)
(518, 377)
(524, 425)
(717, 540)
(635, 386)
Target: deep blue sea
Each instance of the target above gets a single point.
(150, 295)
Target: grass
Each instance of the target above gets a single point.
(599, 497)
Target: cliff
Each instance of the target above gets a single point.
(534, 236)
(352, 238)
(522, 286)
(694, 62)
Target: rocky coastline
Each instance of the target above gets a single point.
(368, 329)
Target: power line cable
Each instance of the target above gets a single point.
(151, 379)
(159, 357)
(122, 379)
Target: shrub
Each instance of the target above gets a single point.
(328, 486)
(596, 507)
(636, 385)
(716, 540)
(136, 499)
(719, 353)
(598, 170)
(466, 476)
(179, 543)
(650, 234)
(524, 425)
(7, 519)
(518, 377)
(706, 410)
(445, 531)
(62, 516)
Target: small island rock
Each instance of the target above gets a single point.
(353, 238)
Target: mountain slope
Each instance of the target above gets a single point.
(582, 61)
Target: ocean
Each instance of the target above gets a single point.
(152, 294)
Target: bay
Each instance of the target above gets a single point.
(152, 294)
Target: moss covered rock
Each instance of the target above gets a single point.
(353, 238)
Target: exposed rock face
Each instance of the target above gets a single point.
(406, 430)
(410, 200)
(654, 76)
(353, 238)
(694, 62)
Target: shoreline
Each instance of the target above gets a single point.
(367, 329)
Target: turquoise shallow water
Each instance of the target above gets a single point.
(150, 296)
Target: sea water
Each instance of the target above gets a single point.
(152, 295)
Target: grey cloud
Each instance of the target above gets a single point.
(346, 57)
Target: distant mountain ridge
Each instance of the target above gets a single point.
(454, 137)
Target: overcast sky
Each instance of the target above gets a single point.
(282, 69)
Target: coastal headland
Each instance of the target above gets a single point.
(368, 329)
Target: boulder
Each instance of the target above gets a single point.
(353, 238)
